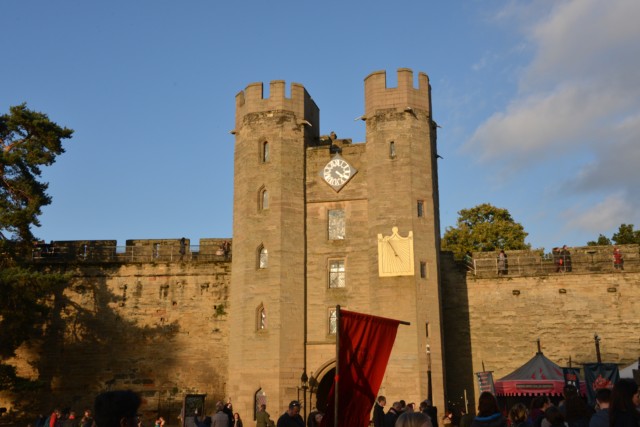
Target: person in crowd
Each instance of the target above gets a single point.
(228, 409)
(237, 422)
(413, 419)
(503, 265)
(87, 419)
(71, 420)
(625, 399)
(392, 414)
(220, 418)
(378, 411)
(518, 415)
(262, 417)
(539, 405)
(160, 422)
(117, 408)
(618, 262)
(427, 408)
(488, 412)
(554, 417)
(575, 411)
(601, 417)
(291, 418)
(566, 259)
(465, 418)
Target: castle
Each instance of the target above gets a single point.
(318, 222)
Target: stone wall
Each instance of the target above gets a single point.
(496, 320)
(157, 328)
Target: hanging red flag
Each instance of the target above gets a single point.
(364, 347)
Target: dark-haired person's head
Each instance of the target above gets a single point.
(487, 404)
(624, 399)
(116, 409)
(554, 416)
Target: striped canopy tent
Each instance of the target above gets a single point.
(539, 376)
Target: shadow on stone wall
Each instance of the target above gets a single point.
(88, 346)
(457, 338)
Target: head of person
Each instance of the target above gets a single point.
(117, 408)
(487, 404)
(294, 408)
(318, 417)
(624, 398)
(382, 400)
(413, 419)
(603, 397)
(236, 416)
(263, 407)
(219, 406)
(518, 414)
(397, 407)
(554, 416)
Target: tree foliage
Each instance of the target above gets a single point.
(484, 228)
(28, 141)
(625, 235)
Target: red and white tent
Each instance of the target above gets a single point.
(539, 376)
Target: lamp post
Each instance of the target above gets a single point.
(429, 387)
(304, 382)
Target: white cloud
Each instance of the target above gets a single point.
(606, 215)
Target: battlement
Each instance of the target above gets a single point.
(378, 96)
(252, 100)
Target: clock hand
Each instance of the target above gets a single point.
(393, 249)
(343, 176)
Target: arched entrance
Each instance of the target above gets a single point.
(322, 392)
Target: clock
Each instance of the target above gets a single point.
(395, 254)
(337, 172)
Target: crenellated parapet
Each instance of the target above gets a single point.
(252, 100)
(378, 96)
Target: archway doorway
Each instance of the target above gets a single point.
(324, 386)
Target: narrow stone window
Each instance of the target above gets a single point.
(420, 208)
(261, 318)
(265, 152)
(263, 199)
(392, 149)
(336, 273)
(263, 257)
(336, 224)
(423, 269)
(333, 321)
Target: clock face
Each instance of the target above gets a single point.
(337, 172)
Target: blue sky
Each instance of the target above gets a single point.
(539, 102)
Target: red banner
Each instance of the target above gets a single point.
(365, 346)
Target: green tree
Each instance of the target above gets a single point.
(28, 141)
(602, 241)
(626, 235)
(484, 228)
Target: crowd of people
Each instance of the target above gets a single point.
(617, 407)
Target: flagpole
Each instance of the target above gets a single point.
(337, 376)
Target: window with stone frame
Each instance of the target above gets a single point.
(265, 151)
(263, 201)
(423, 270)
(333, 322)
(420, 208)
(336, 224)
(263, 257)
(261, 318)
(337, 276)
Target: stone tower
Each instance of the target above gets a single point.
(320, 221)
(403, 192)
(268, 268)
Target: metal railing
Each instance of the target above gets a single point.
(123, 254)
(530, 265)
